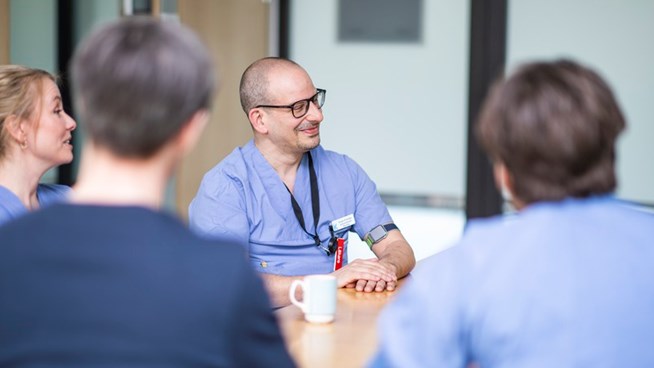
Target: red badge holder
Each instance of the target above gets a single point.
(338, 256)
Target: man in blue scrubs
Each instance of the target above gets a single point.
(288, 200)
(567, 281)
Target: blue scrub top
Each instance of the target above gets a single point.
(561, 284)
(11, 207)
(244, 200)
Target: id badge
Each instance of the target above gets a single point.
(343, 222)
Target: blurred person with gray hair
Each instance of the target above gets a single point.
(109, 279)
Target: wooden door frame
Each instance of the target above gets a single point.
(4, 32)
(236, 33)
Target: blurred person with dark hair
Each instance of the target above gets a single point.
(108, 279)
(566, 282)
(35, 134)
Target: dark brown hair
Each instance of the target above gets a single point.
(554, 125)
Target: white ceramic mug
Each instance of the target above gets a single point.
(319, 297)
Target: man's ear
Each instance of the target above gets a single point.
(502, 177)
(504, 182)
(257, 120)
(191, 131)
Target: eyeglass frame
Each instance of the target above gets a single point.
(308, 101)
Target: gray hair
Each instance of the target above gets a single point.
(136, 82)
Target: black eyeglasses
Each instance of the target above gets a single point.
(301, 108)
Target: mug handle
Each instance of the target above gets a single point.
(291, 294)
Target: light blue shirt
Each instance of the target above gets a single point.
(11, 207)
(244, 200)
(567, 284)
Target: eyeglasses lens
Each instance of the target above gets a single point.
(301, 108)
(319, 98)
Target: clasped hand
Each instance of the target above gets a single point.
(367, 275)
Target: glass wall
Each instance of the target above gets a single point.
(396, 105)
(397, 92)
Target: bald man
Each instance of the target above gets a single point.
(289, 201)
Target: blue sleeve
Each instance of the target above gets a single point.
(370, 209)
(52, 193)
(424, 325)
(218, 210)
(11, 207)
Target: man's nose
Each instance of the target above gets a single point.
(315, 113)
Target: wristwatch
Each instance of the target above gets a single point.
(378, 233)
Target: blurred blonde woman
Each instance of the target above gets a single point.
(35, 136)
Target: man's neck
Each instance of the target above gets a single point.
(285, 164)
(109, 180)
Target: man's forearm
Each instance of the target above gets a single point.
(277, 287)
(400, 255)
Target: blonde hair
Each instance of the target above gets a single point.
(20, 91)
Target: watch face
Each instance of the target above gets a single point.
(377, 233)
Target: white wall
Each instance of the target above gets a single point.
(400, 110)
(428, 230)
(616, 38)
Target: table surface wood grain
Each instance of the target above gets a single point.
(349, 341)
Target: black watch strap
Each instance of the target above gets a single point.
(390, 227)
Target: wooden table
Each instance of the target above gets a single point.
(349, 341)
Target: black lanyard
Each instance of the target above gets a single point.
(315, 203)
